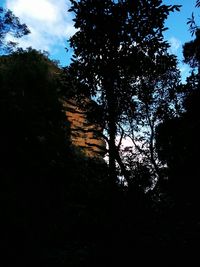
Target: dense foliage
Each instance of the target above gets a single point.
(119, 45)
(45, 184)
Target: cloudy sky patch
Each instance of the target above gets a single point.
(49, 21)
(175, 45)
(185, 71)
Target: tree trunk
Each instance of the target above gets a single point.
(112, 129)
(123, 169)
(112, 137)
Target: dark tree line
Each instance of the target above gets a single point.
(48, 189)
(178, 137)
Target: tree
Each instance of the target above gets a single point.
(177, 137)
(34, 140)
(158, 98)
(10, 24)
(55, 196)
(193, 26)
(116, 44)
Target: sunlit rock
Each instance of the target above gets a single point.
(84, 134)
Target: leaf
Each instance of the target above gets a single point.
(193, 15)
(177, 7)
(198, 3)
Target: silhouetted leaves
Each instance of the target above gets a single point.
(197, 3)
(10, 25)
(117, 45)
(178, 142)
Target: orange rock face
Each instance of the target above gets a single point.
(84, 134)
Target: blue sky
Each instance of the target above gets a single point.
(178, 32)
(51, 25)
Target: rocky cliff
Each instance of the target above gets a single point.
(84, 134)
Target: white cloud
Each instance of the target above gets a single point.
(48, 20)
(37, 9)
(175, 44)
(183, 68)
(185, 71)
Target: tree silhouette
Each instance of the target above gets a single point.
(115, 45)
(53, 198)
(10, 24)
(34, 150)
(177, 138)
(157, 98)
